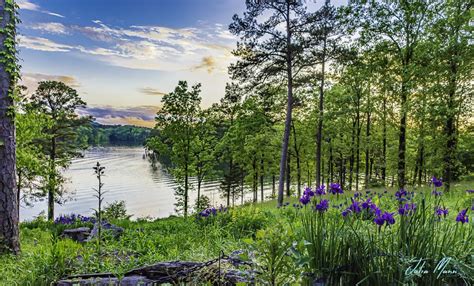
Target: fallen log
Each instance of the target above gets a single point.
(220, 270)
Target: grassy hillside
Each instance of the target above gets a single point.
(286, 245)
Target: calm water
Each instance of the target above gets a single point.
(129, 177)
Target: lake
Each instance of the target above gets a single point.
(128, 177)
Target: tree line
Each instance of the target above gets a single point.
(375, 93)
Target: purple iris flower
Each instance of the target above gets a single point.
(386, 218)
(346, 212)
(320, 191)
(470, 191)
(305, 199)
(308, 192)
(462, 216)
(407, 209)
(441, 211)
(436, 193)
(335, 188)
(401, 194)
(436, 182)
(355, 207)
(322, 206)
(369, 205)
(379, 220)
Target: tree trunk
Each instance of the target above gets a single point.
(242, 188)
(289, 109)
(255, 176)
(367, 145)
(229, 186)
(403, 120)
(273, 186)
(199, 192)
(288, 176)
(351, 159)
(358, 142)
(319, 134)
(52, 180)
(9, 233)
(330, 164)
(298, 163)
(262, 170)
(384, 141)
(186, 187)
(450, 127)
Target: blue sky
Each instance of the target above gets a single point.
(123, 55)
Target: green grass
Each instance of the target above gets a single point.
(324, 246)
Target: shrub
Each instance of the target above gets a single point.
(116, 210)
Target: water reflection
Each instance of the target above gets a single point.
(129, 176)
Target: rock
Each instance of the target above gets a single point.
(166, 271)
(173, 272)
(106, 226)
(107, 281)
(80, 234)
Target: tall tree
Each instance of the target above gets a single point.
(402, 24)
(59, 103)
(271, 50)
(325, 43)
(454, 53)
(9, 233)
(31, 162)
(229, 146)
(202, 148)
(177, 120)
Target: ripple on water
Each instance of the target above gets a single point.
(128, 177)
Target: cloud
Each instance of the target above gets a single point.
(147, 47)
(163, 48)
(28, 5)
(136, 115)
(52, 28)
(151, 91)
(30, 80)
(207, 63)
(42, 44)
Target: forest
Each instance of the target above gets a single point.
(359, 118)
(390, 107)
(97, 134)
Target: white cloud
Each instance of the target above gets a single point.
(42, 44)
(147, 47)
(28, 5)
(53, 28)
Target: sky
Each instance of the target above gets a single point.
(122, 56)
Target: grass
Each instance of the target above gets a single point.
(286, 245)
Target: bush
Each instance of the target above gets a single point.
(116, 210)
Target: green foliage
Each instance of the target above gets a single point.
(176, 122)
(116, 210)
(57, 103)
(8, 51)
(31, 162)
(202, 203)
(270, 254)
(285, 248)
(96, 134)
(286, 245)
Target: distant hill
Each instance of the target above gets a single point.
(98, 134)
